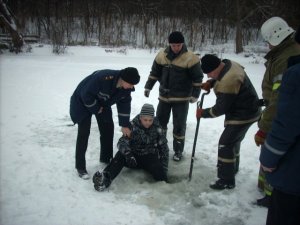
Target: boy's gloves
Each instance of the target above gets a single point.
(147, 93)
(199, 113)
(130, 160)
(206, 86)
(260, 137)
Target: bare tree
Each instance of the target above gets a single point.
(238, 26)
(144, 23)
(8, 21)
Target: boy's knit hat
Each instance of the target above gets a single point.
(147, 110)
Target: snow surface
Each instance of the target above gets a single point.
(39, 184)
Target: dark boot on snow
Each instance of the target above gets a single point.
(178, 145)
(222, 184)
(101, 180)
(264, 202)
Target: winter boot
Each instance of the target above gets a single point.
(177, 156)
(222, 184)
(178, 145)
(83, 174)
(101, 180)
(264, 202)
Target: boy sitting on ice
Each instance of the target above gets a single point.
(146, 148)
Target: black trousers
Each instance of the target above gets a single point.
(106, 130)
(284, 209)
(149, 163)
(229, 150)
(179, 113)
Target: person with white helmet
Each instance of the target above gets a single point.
(280, 37)
(280, 154)
(275, 30)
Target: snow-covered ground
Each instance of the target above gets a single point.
(39, 184)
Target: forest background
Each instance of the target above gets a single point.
(144, 23)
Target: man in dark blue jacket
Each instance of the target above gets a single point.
(280, 154)
(94, 96)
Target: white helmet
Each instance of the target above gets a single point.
(275, 30)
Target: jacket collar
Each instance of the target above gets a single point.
(225, 69)
(277, 50)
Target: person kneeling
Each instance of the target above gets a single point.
(146, 148)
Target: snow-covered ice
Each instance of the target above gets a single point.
(39, 184)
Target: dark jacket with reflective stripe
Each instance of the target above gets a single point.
(236, 96)
(282, 146)
(179, 76)
(100, 90)
(276, 64)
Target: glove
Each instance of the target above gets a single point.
(199, 113)
(130, 160)
(260, 137)
(193, 100)
(206, 86)
(147, 93)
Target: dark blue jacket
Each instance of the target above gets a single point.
(282, 147)
(100, 90)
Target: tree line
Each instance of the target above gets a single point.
(147, 23)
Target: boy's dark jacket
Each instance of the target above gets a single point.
(146, 141)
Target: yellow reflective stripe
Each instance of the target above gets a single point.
(267, 192)
(152, 77)
(261, 178)
(275, 86)
(178, 137)
(226, 160)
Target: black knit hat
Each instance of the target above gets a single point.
(176, 37)
(209, 63)
(147, 110)
(297, 35)
(130, 75)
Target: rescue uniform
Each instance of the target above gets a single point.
(276, 64)
(238, 101)
(179, 76)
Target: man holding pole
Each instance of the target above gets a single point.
(238, 101)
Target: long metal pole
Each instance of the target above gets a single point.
(199, 105)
